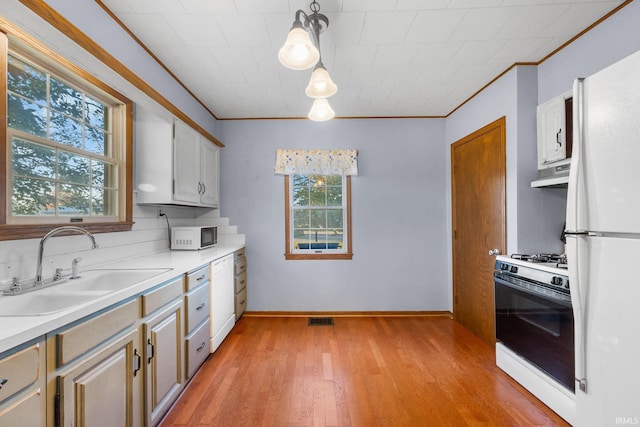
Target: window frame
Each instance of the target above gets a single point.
(290, 254)
(16, 41)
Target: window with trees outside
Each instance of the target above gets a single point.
(318, 216)
(66, 146)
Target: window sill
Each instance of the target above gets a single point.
(289, 256)
(32, 231)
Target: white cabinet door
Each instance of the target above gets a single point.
(551, 132)
(209, 165)
(163, 338)
(104, 390)
(186, 164)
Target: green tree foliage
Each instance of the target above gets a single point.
(46, 179)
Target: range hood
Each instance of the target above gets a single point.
(554, 176)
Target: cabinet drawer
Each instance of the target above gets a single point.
(151, 301)
(240, 281)
(238, 254)
(27, 411)
(198, 277)
(240, 266)
(241, 302)
(19, 370)
(197, 306)
(197, 347)
(78, 339)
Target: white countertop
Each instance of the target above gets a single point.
(16, 330)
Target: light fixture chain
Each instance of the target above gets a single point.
(314, 6)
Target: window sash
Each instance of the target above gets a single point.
(16, 42)
(314, 252)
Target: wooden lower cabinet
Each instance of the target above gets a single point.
(104, 389)
(163, 359)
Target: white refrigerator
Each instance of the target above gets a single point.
(603, 244)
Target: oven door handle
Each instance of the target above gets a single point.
(565, 303)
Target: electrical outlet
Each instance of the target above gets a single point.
(160, 213)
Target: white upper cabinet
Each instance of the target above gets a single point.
(552, 131)
(174, 163)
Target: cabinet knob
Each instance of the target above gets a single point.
(493, 252)
(3, 381)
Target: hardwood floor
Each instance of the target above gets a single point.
(362, 371)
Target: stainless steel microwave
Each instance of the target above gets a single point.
(193, 238)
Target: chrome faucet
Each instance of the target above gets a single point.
(38, 280)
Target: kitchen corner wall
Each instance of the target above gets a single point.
(399, 212)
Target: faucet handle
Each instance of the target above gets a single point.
(58, 274)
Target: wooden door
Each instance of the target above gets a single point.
(478, 164)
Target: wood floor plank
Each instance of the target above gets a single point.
(377, 371)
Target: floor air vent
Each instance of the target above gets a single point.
(320, 321)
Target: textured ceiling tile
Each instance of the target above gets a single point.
(386, 27)
(197, 30)
(152, 29)
(530, 20)
(434, 25)
(244, 30)
(208, 6)
(477, 52)
(395, 55)
(422, 4)
(482, 24)
(368, 5)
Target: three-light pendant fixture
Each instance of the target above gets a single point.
(301, 52)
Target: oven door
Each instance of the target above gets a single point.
(536, 326)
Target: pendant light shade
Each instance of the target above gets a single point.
(298, 51)
(321, 111)
(320, 85)
(302, 51)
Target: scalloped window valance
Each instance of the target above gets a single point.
(316, 162)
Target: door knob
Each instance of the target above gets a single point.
(494, 251)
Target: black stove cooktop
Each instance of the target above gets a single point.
(543, 258)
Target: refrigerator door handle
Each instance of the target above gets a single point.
(577, 253)
(575, 193)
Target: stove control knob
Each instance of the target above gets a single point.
(504, 267)
(555, 280)
(513, 269)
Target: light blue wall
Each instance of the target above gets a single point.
(399, 214)
(612, 40)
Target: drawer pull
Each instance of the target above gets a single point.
(242, 302)
(3, 382)
(201, 346)
(200, 307)
(242, 282)
(204, 276)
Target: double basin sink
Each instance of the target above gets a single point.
(90, 285)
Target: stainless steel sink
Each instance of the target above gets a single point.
(90, 285)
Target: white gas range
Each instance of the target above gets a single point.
(535, 327)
